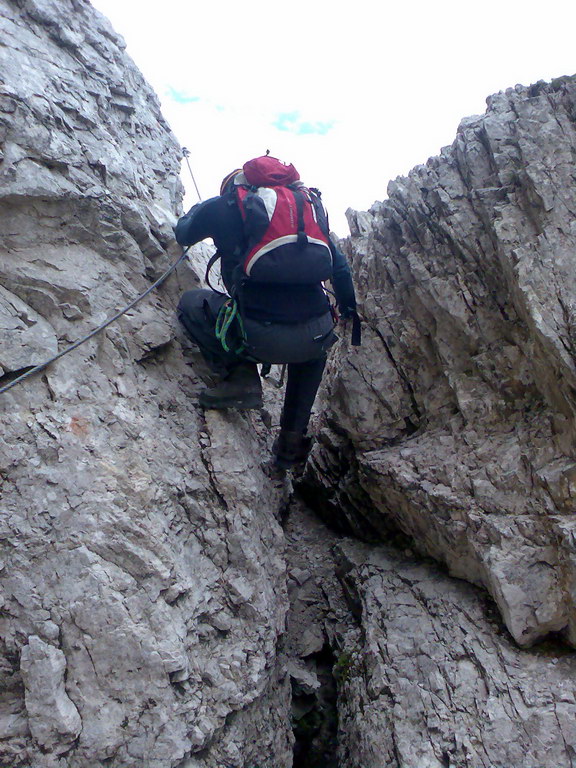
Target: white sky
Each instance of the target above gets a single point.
(353, 93)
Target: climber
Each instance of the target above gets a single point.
(276, 310)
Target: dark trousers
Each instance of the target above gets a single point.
(303, 346)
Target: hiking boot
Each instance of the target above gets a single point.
(291, 448)
(241, 389)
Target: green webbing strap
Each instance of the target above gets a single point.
(226, 316)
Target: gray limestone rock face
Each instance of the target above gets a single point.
(27, 339)
(454, 422)
(142, 579)
(423, 670)
(156, 608)
(437, 679)
(53, 718)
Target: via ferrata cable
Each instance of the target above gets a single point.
(76, 344)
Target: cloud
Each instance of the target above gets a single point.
(293, 123)
(399, 119)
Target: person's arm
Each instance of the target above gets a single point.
(342, 282)
(197, 224)
(344, 290)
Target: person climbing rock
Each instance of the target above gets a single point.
(272, 238)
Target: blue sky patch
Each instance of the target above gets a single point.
(181, 97)
(293, 123)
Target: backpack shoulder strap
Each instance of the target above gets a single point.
(213, 259)
(233, 198)
(321, 212)
(238, 197)
(302, 241)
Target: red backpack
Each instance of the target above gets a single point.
(285, 225)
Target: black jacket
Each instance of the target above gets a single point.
(220, 219)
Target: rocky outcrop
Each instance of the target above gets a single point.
(424, 672)
(142, 578)
(454, 422)
(162, 603)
